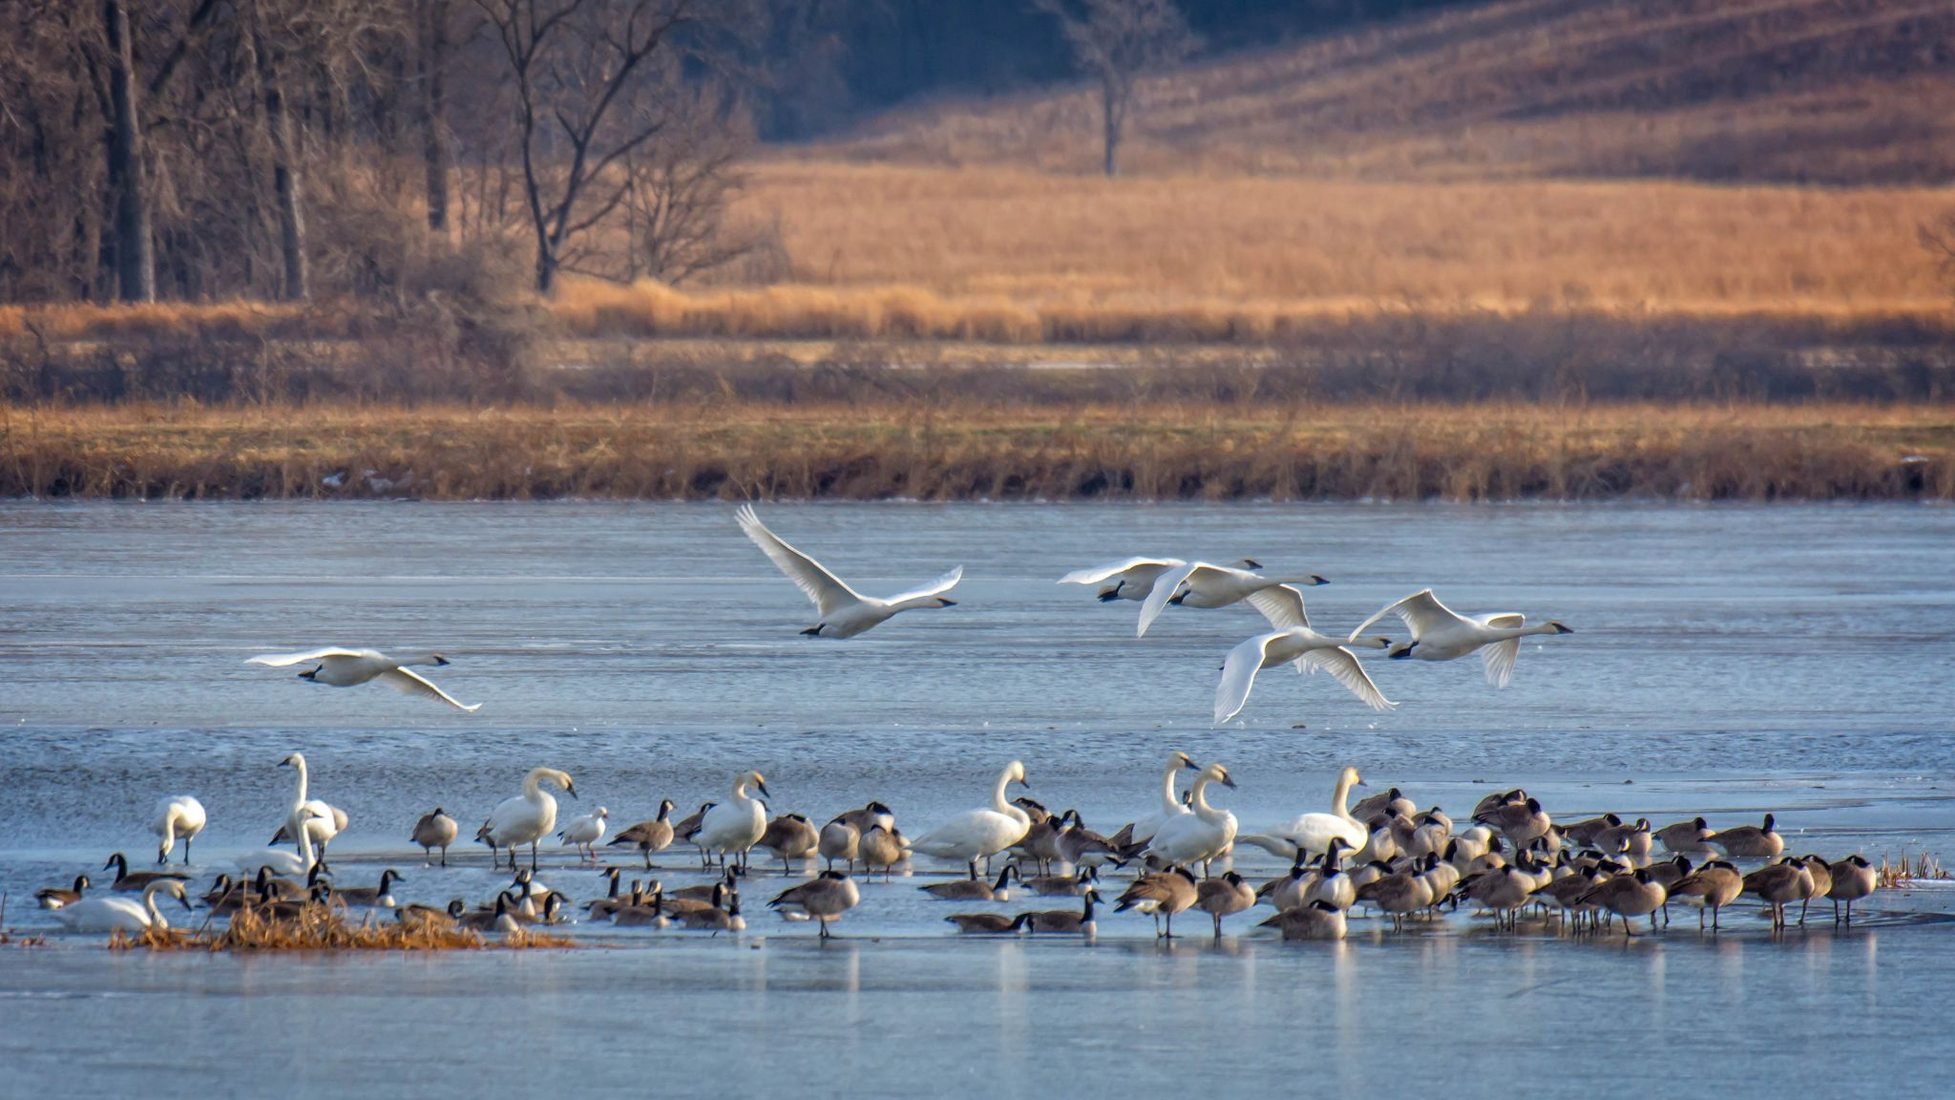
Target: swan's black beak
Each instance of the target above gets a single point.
(1560, 629)
(1110, 595)
(815, 629)
(1177, 598)
(439, 660)
(1402, 652)
(570, 789)
(763, 790)
(1229, 782)
(1317, 580)
(941, 602)
(312, 674)
(1251, 563)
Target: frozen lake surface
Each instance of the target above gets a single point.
(1726, 661)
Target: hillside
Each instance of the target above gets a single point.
(1815, 91)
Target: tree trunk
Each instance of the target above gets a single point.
(287, 180)
(1110, 112)
(433, 31)
(135, 259)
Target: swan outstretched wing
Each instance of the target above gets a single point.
(1239, 675)
(828, 593)
(1498, 659)
(1108, 572)
(1421, 612)
(937, 587)
(281, 660)
(1164, 589)
(413, 683)
(1281, 605)
(1343, 664)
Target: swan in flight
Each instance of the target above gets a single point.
(528, 817)
(1199, 584)
(1293, 641)
(1441, 634)
(340, 667)
(1134, 578)
(983, 832)
(99, 914)
(178, 817)
(844, 612)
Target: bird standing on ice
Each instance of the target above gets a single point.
(339, 667)
(844, 612)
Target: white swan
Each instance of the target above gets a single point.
(338, 666)
(1313, 832)
(324, 822)
(1440, 634)
(586, 830)
(100, 914)
(1171, 806)
(736, 825)
(1306, 648)
(178, 817)
(1133, 578)
(280, 861)
(1205, 833)
(844, 612)
(983, 832)
(528, 817)
(1200, 584)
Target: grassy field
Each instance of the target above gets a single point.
(737, 450)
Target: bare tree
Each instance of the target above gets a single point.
(431, 33)
(135, 264)
(1116, 42)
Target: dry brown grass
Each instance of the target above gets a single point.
(1919, 868)
(325, 928)
(943, 450)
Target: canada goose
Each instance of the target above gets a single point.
(1082, 847)
(733, 827)
(1628, 896)
(791, 837)
(1330, 884)
(1200, 584)
(1779, 884)
(825, 898)
(1440, 634)
(1386, 839)
(881, 846)
(1713, 886)
(985, 831)
(178, 817)
(1582, 834)
(1161, 895)
(339, 667)
(1204, 835)
(1821, 874)
(1312, 831)
(839, 840)
(639, 912)
(1566, 893)
(1065, 921)
(1750, 841)
(1853, 878)
(416, 915)
(99, 914)
(1631, 840)
(129, 881)
(1316, 921)
(1133, 579)
(1384, 803)
(1667, 873)
(584, 831)
(1400, 893)
(1041, 841)
(980, 923)
(1428, 836)
(1063, 885)
(380, 897)
(318, 897)
(550, 912)
(1219, 897)
(54, 897)
(528, 817)
(435, 830)
(971, 889)
(1503, 891)
(715, 920)
(687, 830)
(500, 919)
(1143, 830)
(325, 821)
(727, 883)
(1688, 838)
(648, 836)
(1520, 822)
(610, 901)
(844, 612)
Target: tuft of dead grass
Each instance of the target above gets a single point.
(1921, 867)
(326, 928)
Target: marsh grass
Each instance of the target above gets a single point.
(326, 928)
(1921, 867)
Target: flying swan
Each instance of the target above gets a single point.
(1441, 634)
(340, 667)
(844, 611)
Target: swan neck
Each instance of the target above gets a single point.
(1341, 800)
(1167, 789)
(298, 772)
(1201, 805)
(999, 803)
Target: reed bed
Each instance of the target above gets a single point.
(325, 928)
(947, 450)
(1919, 868)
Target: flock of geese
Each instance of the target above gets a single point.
(1382, 854)
(1437, 632)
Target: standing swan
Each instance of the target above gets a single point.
(1440, 634)
(121, 914)
(528, 817)
(736, 825)
(178, 817)
(325, 821)
(983, 832)
(1171, 806)
(844, 612)
(337, 666)
(1199, 584)
(1313, 832)
(1204, 835)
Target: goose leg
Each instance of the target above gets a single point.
(1218, 925)
(444, 855)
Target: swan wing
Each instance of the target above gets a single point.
(1343, 665)
(1157, 600)
(828, 593)
(413, 683)
(1498, 659)
(1108, 572)
(1282, 605)
(1239, 675)
(281, 660)
(1421, 612)
(941, 585)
